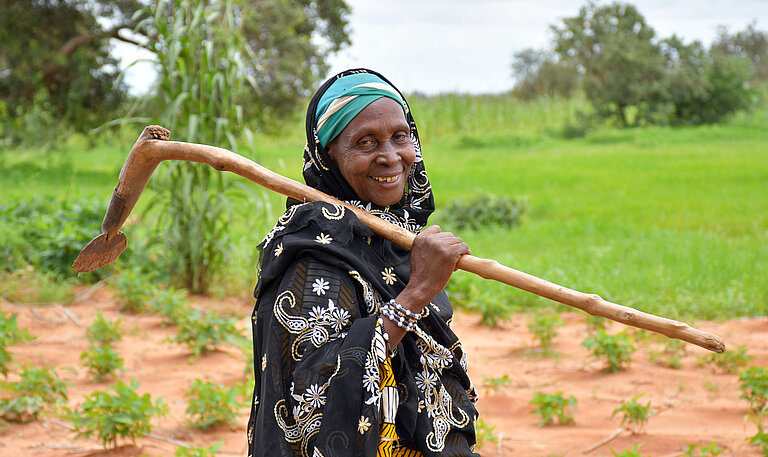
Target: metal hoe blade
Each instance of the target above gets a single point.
(100, 252)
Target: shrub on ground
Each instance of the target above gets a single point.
(38, 388)
(124, 414)
(210, 404)
(616, 349)
(551, 406)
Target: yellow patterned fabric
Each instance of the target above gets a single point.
(388, 434)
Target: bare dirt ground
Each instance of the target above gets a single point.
(693, 404)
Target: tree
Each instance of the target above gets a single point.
(58, 52)
(614, 47)
(55, 54)
(539, 73)
(750, 43)
(703, 86)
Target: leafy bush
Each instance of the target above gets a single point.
(485, 210)
(210, 404)
(135, 289)
(37, 389)
(730, 361)
(670, 354)
(708, 450)
(470, 293)
(126, 414)
(635, 414)
(102, 332)
(50, 234)
(210, 451)
(202, 332)
(754, 387)
(544, 328)
(485, 434)
(634, 452)
(616, 349)
(549, 406)
(171, 303)
(102, 362)
(10, 334)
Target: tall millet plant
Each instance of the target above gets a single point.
(201, 54)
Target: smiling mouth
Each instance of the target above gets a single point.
(385, 179)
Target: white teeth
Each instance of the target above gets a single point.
(380, 179)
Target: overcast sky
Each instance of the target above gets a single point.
(467, 45)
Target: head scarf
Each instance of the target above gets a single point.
(344, 100)
(323, 174)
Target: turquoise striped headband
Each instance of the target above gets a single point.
(344, 100)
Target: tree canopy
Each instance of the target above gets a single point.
(56, 54)
(632, 76)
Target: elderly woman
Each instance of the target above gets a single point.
(353, 353)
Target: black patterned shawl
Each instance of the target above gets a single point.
(317, 345)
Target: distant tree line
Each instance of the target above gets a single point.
(632, 77)
(58, 72)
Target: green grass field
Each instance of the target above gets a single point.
(668, 220)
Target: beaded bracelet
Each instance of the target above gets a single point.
(401, 316)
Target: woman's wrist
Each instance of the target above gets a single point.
(413, 299)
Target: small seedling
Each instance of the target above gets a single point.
(37, 389)
(595, 323)
(670, 355)
(617, 349)
(712, 386)
(103, 332)
(201, 333)
(210, 451)
(171, 303)
(709, 450)
(754, 387)
(635, 415)
(730, 361)
(102, 362)
(134, 288)
(485, 434)
(10, 334)
(634, 452)
(760, 439)
(544, 328)
(211, 404)
(124, 414)
(549, 406)
(498, 382)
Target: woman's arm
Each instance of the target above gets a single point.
(433, 260)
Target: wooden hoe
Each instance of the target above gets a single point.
(153, 146)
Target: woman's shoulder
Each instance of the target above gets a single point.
(322, 217)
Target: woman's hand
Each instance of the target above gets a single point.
(434, 256)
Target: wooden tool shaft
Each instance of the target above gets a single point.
(153, 146)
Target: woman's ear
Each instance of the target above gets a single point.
(331, 149)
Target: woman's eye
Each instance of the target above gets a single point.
(366, 143)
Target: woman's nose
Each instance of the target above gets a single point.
(387, 155)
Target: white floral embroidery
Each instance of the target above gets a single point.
(363, 425)
(338, 318)
(322, 238)
(388, 275)
(320, 286)
(278, 249)
(314, 396)
(371, 380)
(426, 380)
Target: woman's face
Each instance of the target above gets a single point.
(374, 152)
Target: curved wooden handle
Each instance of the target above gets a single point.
(153, 147)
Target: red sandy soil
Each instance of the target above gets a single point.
(693, 404)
